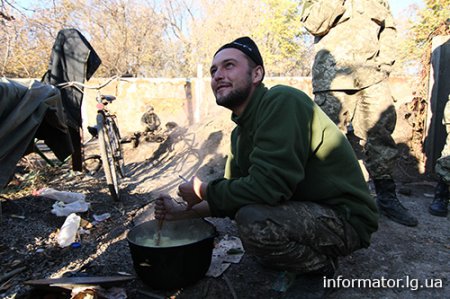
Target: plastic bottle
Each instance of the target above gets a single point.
(64, 196)
(68, 231)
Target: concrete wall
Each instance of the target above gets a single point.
(188, 101)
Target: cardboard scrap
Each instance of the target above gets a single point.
(228, 251)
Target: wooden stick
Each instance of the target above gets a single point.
(230, 286)
(158, 232)
(183, 178)
(11, 273)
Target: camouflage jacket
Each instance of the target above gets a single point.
(354, 42)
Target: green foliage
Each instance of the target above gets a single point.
(431, 18)
(273, 24)
(283, 46)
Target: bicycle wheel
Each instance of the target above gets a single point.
(106, 152)
(114, 137)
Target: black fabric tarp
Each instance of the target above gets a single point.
(28, 112)
(72, 59)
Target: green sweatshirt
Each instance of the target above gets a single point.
(284, 147)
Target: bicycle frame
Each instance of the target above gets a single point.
(110, 148)
(108, 137)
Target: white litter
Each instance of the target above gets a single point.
(228, 251)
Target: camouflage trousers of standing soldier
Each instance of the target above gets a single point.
(372, 115)
(295, 236)
(442, 167)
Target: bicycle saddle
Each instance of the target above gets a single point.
(108, 98)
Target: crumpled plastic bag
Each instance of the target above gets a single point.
(64, 209)
(67, 202)
(64, 196)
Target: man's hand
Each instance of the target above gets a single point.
(166, 208)
(192, 191)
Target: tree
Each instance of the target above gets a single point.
(4, 11)
(273, 24)
(433, 20)
(159, 38)
(126, 34)
(432, 17)
(284, 43)
(23, 46)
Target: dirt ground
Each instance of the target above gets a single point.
(418, 258)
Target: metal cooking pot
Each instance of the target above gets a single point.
(182, 257)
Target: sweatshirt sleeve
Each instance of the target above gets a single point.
(279, 149)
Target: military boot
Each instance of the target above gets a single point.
(389, 204)
(439, 206)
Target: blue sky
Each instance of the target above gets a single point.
(397, 6)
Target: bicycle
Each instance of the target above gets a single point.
(108, 135)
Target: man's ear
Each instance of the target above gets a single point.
(258, 74)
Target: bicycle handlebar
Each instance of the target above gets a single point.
(77, 85)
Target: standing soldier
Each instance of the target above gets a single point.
(439, 206)
(354, 42)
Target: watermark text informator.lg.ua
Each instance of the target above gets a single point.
(378, 283)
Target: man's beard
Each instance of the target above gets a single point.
(235, 97)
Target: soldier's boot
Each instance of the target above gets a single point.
(309, 285)
(389, 204)
(439, 206)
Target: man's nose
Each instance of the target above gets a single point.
(218, 75)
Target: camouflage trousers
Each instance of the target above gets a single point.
(442, 167)
(372, 114)
(295, 236)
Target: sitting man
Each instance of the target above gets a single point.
(150, 120)
(292, 181)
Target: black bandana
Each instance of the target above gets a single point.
(247, 46)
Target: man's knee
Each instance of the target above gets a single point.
(257, 227)
(250, 214)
